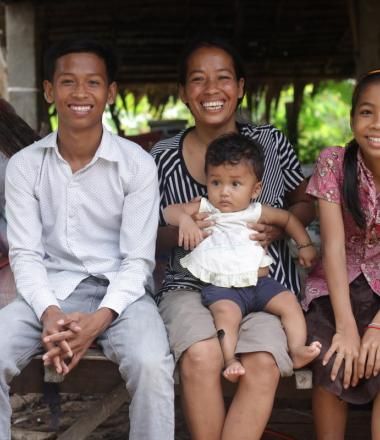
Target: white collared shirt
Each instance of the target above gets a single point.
(101, 221)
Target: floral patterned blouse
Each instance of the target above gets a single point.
(362, 245)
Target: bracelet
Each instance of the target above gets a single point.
(301, 246)
(374, 325)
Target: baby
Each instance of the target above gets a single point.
(234, 266)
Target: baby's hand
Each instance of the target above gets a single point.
(189, 235)
(307, 255)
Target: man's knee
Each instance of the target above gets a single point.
(147, 363)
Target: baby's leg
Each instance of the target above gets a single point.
(227, 316)
(286, 306)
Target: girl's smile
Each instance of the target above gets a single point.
(365, 123)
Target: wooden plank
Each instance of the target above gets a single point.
(94, 374)
(97, 414)
(102, 375)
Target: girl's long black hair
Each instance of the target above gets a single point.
(350, 164)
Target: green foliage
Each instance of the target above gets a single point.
(324, 119)
(134, 115)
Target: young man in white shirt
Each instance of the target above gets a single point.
(82, 211)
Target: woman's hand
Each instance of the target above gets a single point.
(264, 233)
(346, 345)
(369, 355)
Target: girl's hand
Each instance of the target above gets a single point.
(369, 355)
(307, 256)
(346, 345)
(264, 233)
(189, 234)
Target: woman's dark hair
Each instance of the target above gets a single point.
(210, 41)
(350, 164)
(80, 45)
(15, 133)
(232, 148)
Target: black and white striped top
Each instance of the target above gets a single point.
(282, 173)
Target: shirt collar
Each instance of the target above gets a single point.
(368, 189)
(363, 169)
(108, 148)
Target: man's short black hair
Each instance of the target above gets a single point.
(232, 148)
(80, 45)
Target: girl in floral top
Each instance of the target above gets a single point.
(342, 292)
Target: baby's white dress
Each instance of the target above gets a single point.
(228, 257)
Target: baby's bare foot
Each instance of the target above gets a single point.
(234, 369)
(305, 354)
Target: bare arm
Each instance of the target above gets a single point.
(346, 340)
(167, 236)
(300, 204)
(80, 330)
(174, 213)
(369, 355)
(294, 228)
(189, 234)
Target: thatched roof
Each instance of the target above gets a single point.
(281, 41)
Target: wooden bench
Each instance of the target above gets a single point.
(97, 375)
(94, 375)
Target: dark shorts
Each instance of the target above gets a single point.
(249, 299)
(321, 327)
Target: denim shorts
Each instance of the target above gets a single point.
(249, 299)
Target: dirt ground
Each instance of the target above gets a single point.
(32, 420)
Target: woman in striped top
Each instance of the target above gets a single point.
(212, 86)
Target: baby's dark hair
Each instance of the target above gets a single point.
(350, 180)
(232, 148)
(80, 45)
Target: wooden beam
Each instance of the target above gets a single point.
(369, 36)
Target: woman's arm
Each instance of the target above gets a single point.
(301, 204)
(346, 341)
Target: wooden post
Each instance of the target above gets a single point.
(3, 76)
(292, 112)
(365, 18)
(21, 59)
